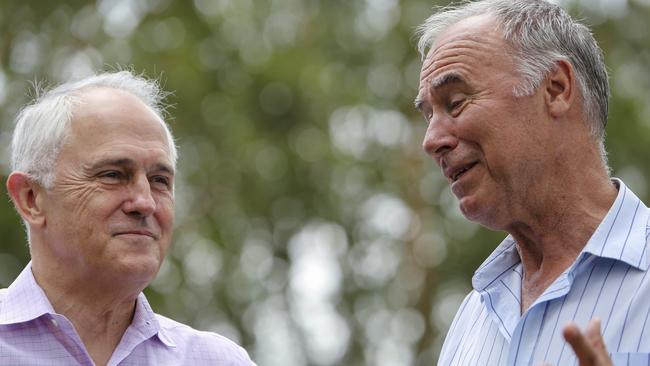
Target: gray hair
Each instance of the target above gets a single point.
(540, 34)
(43, 125)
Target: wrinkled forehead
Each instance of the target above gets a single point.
(98, 108)
(476, 37)
(478, 28)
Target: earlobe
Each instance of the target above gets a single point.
(560, 89)
(25, 194)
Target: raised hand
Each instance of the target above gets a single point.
(589, 346)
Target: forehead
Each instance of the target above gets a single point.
(468, 48)
(106, 120)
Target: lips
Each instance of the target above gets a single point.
(453, 173)
(141, 232)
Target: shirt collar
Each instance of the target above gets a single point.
(146, 322)
(621, 236)
(622, 233)
(24, 300)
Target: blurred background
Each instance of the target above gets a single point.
(311, 228)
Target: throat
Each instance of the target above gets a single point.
(537, 279)
(531, 291)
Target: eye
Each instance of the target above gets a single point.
(454, 104)
(110, 175)
(161, 180)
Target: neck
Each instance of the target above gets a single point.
(551, 235)
(99, 314)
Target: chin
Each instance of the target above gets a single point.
(475, 212)
(139, 268)
(468, 207)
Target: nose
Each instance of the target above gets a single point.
(140, 201)
(439, 138)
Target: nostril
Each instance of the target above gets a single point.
(438, 142)
(441, 150)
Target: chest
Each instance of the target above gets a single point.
(490, 330)
(46, 341)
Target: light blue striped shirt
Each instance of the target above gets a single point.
(607, 280)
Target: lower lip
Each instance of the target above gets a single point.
(465, 173)
(460, 178)
(135, 235)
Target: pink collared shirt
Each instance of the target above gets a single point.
(32, 333)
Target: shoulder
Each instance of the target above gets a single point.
(211, 346)
(469, 306)
(467, 313)
(3, 294)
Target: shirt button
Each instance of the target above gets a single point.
(54, 322)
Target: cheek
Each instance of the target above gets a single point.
(165, 213)
(478, 125)
(81, 200)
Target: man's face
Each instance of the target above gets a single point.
(488, 143)
(110, 210)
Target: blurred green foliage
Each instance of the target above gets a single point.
(311, 228)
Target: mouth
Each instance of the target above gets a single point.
(460, 171)
(138, 232)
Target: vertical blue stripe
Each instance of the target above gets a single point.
(521, 336)
(629, 230)
(614, 221)
(644, 248)
(584, 289)
(600, 291)
(498, 316)
(645, 321)
(470, 346)
(627, 313)
(557, 319)
(496, 334)
(503, 345)
(601, 283)
(483, 346)
(618, 291)
(460, 343)
(539, 333)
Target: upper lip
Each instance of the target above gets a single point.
(453, 171)
(138, 232)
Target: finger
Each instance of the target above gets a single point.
(581, 346)
(594, 336)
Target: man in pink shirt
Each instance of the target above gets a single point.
(92, 178)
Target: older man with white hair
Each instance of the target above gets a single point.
(93, 180)
(515, 96)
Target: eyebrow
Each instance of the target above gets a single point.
(129, 162)
(438, 83)
(446, 79)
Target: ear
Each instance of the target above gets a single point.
(560, 89)
(27, 196)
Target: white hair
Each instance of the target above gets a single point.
(43, 125)
(540, 34)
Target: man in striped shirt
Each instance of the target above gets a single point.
(515, 95)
